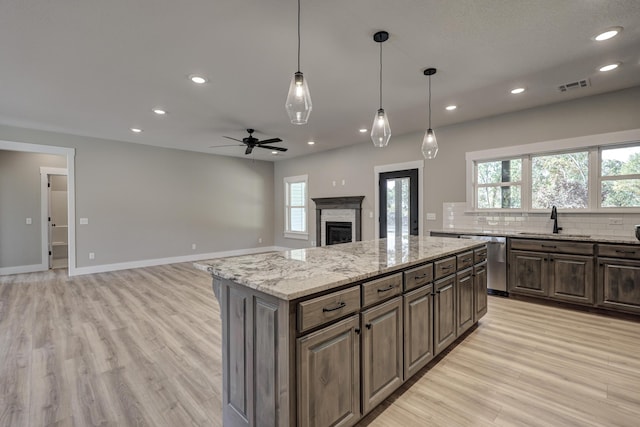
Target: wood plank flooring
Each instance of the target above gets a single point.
(142, 348)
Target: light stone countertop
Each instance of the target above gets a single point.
(626, 240)
(298, 273)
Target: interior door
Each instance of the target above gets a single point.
(58, 217)
(398, 203)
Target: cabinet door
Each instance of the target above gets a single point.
(382, 360)
(418, 329)
(619, 284)
(571, 278)
(479, 291)
(328, 368)
(444, 308)
(528, 273)
(464, 283)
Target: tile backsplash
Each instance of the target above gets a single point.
(600, 224)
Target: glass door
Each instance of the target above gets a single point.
(398, 203)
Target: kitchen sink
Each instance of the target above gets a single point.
(552, 234)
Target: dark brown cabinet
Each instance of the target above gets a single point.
(561, 270)
(444, 308)
(382, 352)
(619, 277)
(418, 329)
(479, 291)
(465, 290)
(328, 370)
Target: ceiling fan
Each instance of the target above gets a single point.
(251, 142)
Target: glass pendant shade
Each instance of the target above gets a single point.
(298, 103)
(380, 130)
(429, 145)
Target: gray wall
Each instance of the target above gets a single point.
(21, 244)
(444, 177)
(144, 202)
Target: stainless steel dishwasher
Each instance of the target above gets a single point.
(496, 263)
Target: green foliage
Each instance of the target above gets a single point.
(561, 180)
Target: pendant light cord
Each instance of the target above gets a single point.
(298, 35)
(429, 101)
(381, 76)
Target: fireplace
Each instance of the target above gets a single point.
(338, 232)
(343, 212)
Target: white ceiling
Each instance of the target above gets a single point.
(97, 68)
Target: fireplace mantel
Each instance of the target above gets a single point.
(345, 202)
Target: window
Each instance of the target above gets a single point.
(560, 180)
(594, 173)
(295, 190)
(620, 177)
(499, 184)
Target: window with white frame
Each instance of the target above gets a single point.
(597, 173)
(295, 191)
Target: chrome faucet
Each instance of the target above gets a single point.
(554, 217)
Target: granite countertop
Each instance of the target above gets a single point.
(297, 273)
(627, 240)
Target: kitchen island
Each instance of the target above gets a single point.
(320, 336)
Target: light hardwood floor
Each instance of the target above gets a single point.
(142, 347)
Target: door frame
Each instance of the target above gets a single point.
(69, 154)
(377, 170)
(45, 205)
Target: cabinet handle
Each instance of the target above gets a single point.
(420, 277)
(466, 259)
(444, 289)
(549, 246)
(388, 288)
(620, 251)
(357, 331)
(447, 267)
(368, 325)
(337, 307)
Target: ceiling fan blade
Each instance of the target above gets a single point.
(270, 147)
(228, 137)
(226, 145)
(248, 150)
(270, 141)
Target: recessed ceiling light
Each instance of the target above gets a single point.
(517, 90)
(274, 152)
(609, 67)
(451, 107)
(311, 142)
(363, 130)
(608, 34)
(159, 111)
(197, 79)
(136, 130)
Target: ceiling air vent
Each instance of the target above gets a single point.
(574, 85)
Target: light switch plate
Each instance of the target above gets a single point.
(84, 221)
(431, 216)
(29, 221)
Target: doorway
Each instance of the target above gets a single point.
(398, 203)
(57, 219)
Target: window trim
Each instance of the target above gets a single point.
(287, 232)
(592, 143)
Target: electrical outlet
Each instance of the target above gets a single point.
(29, 221)
(92, 255)
(431, 216)
(615, 221)
(193, 246)
(344, 182)
(84, 221)
(259, 239)
(370, 214)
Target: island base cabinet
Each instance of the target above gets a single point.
(619, 284)
(382, 352)
(444, 309)
(328, 369)
(479, 291)
(465, 311)
(571, 278)
(418, 329)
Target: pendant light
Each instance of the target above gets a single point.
(429, 142)
(380, 130)
(298, 102)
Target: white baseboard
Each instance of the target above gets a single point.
(23, 269)
(171, 260)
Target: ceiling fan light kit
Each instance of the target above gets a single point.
(429, 142)
(380, 130)
(298, 104)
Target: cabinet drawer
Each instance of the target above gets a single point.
(326, 308)
(619, 251)
(381, 289)
(556, 246)
(465, 260)
(479, 255)
(418, 276)
(444, 267)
